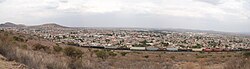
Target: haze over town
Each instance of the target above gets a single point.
(217, 15)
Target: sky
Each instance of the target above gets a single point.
(217, 15)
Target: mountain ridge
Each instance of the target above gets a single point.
(10, 24)
(46, 25)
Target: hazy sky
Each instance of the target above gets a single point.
(218, 15)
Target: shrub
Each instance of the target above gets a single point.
(112, 53)
(201, 56)
(18, 39)
(102, 54)
(57, 48)
(246, 54)
(40, 47)
(73, 52)
(96, 51)
(124, 53)
(202, 52)
(73, 44)
(24, 47)
(146, 56)
(172, 57)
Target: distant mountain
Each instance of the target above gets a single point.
(48, 26)
(9, 24)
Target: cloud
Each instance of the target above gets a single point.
(197, 14)
(2, 1)
(214, 2)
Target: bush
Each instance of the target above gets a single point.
(18, 39)
(172, 57)
(40, 47)
(124, 53)
(146, 56)
(24, 47)
(201, 56)
(57, 48)
(73, 52)
(102, 54)
(246, 54)
(73, 44)
(112, 53)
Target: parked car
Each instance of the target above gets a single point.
(208, 50)
(151, 48)
(197, 49)
(172, 49)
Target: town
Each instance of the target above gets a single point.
(137, 38)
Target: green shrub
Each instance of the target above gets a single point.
(102, 54)
(57, 48)
(73, 52)
(18, 39)
(112, 53)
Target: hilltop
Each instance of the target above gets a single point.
(9, 24)
(43, 26)
(48, 26)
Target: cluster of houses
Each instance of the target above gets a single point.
(143, 39)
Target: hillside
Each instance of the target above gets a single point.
(48, 26)
(9, 24)
(4, 64)
(39, 53)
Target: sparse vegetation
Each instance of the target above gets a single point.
(24, 46)
(18, 39)
(72, 43)
(172, 57)
(123, 53)
(102, 54)
(146, 56)
(73, 52)
(112, 53)
(246, 54)
(40, 47)
(57, 48)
